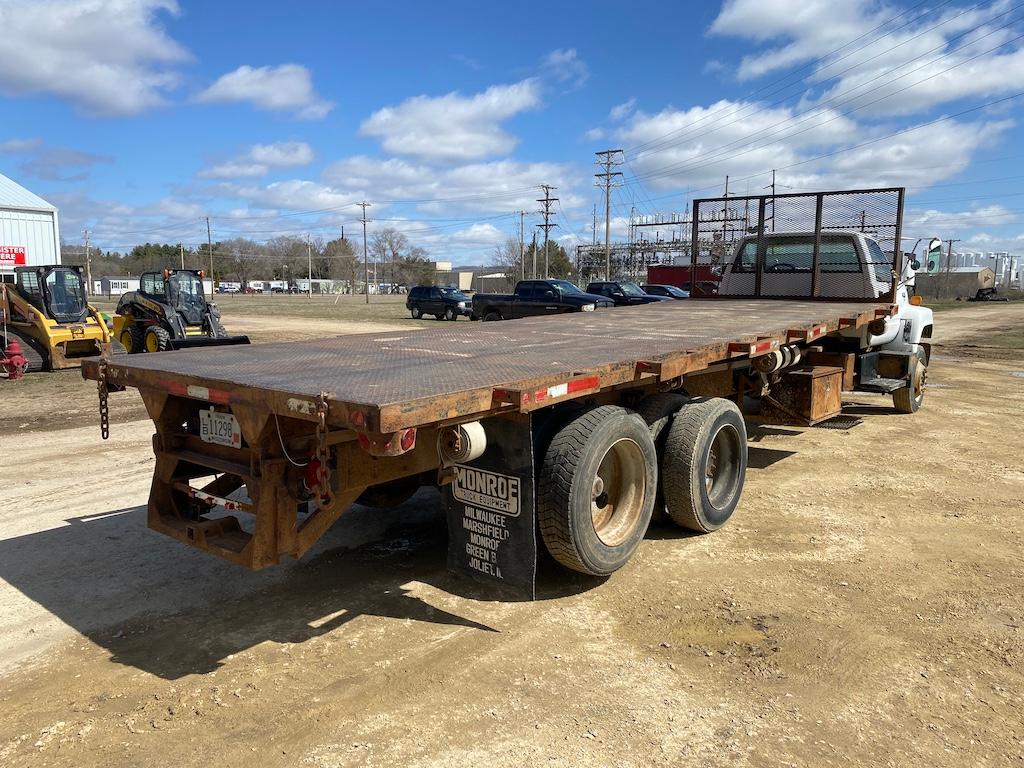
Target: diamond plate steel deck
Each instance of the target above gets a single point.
(411, 378)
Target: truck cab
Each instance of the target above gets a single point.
(851, 265)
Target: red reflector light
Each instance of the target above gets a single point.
(408, 439)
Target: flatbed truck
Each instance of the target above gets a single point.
(568, 432)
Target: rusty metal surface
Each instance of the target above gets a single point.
(422, 374)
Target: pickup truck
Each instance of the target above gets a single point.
(535, 297)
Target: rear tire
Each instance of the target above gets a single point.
(596, 490)
(704, 463)
(910, 398)
(449, 314)
(157, 339)
(133, 339)
(492, 316)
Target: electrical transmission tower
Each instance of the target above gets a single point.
(546, 201)
(608, 159)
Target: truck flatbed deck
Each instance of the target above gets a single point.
(403, 379)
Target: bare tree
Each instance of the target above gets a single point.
(506, 256)
(388, 245)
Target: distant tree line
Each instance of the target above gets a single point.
(398, 261)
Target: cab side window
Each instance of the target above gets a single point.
(152, 284)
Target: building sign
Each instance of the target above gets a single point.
(491, 517)
(12, 255)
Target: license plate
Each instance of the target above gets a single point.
(219, 428)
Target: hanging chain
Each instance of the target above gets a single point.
(101, 387)
(324, 497)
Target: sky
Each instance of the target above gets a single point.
(140, 118)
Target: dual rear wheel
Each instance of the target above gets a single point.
(606, 471)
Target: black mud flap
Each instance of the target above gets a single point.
(492, 525)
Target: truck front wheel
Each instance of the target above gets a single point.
(703, 463)
(909, 398)
(596, 490)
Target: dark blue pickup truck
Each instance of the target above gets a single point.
(535, 297)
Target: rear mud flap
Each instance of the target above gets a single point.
(492, 519)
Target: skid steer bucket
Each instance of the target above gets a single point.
(192, 342)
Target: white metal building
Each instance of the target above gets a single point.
(29, 232)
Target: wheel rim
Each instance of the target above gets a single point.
(920, 382)
(722, 466)
(126, 341)
(618, 492)
(152, 342)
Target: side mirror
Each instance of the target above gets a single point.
(915, 265)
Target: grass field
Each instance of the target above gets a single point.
(342, 308)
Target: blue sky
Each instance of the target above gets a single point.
(138, 118)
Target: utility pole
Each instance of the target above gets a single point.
(608, 159)
(593, 228)
(547, 200)
(522, 255)
(181, 253)
(209, 246)
(366, 262)
(309, 257)
(533, 274)
(88, 264)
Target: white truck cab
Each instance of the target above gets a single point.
(852, 266)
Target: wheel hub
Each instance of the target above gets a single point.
(618, 492)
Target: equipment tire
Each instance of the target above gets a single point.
(133, 339)
(703, 463)
(157, 339)
(449, 314)
(492, 316)
(909, 398)
(117, 348)
(605, 456)
(416, 312)
(657, 411)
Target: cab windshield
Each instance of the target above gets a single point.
(186, 290)
(65, 295)
(631, 289)
(454, 293)
(566, 287)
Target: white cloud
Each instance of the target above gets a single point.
(564, 66)
(43, 161)
(912, 64)
(453, 126)
(285, 88)
(697, 148)
(621, 111)
(260, 159)
(594, 134)
(109, 58)
(479, 234)
(501, 185)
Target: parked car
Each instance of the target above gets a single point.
(535, 297)
(623, 294)
(669, 291)
(442, 302)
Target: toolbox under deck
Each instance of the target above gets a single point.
(402, 379)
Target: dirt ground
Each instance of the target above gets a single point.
(865, 606)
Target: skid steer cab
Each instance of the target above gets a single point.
(170, 311)
(46, 313)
